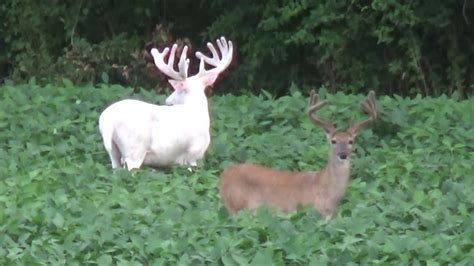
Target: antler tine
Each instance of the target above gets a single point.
(170, 63)
(315, 104)
(370, 107)
(183, 63)
(226, 50)
(167, 68)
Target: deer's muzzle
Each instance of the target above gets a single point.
(342, 155)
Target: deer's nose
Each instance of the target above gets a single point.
(342, 156)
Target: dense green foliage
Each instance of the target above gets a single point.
(398, 47)
(409, 200)
(394, 47)
(85, 41)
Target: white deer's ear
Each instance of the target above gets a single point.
(209, 78)
(178, 85)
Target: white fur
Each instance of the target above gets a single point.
(136, 132)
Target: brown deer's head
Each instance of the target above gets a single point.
(341, 141)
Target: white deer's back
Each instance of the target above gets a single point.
(164, 134)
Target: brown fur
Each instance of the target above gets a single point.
(249, 186)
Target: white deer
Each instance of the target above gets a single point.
(137, 133)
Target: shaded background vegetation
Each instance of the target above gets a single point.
(394, 47)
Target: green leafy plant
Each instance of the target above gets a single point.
(352, 45)
(409, 200)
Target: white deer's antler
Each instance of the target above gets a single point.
(220, 64)
(167, 68)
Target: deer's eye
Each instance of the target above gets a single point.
(333, 141)
(350, 142)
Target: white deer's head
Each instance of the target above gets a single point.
(188, 89)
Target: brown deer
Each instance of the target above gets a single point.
(248, 186)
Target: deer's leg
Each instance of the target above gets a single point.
(112, 150)
(115, 156)
(133, 146)
(192, 166)
(134, 157)
(194, 153)
(133, 163)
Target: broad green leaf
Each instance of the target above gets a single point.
(104, 260)
(58, 220)
(263, 257)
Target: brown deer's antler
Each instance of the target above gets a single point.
(315, 104)
(370, 107)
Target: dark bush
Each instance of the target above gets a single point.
(393, 47)
(401, 47)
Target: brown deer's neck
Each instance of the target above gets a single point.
(336, 175)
